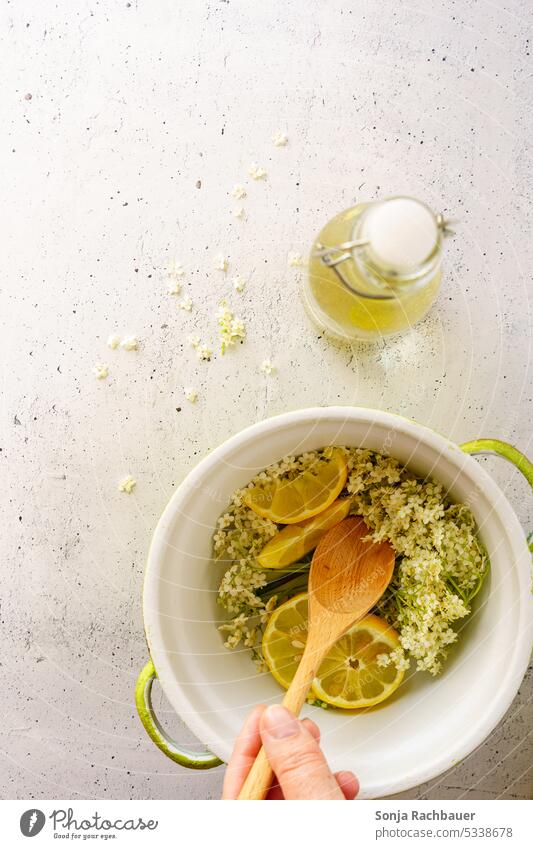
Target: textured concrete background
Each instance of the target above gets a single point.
(133, 106)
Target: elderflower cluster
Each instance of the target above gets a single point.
(127, 485)
(101, 371)
(268, 367)
(256, 173)
(295, 260)
(220, 262)
(280, 139)
(232, 329)
(203, 352)
(440, 561)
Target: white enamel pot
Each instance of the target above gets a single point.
(431, 723)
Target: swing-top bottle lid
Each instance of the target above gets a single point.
(401, 234)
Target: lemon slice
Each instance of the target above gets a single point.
(294, 541)
(285, 638)
(291, 501)
(349, 676)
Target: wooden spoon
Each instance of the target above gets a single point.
(348, 576)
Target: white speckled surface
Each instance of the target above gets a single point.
(132, 104)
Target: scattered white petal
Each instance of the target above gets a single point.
(130, 343)
(175, 270)
(113, 341)
(204, 352)
(280, 139)
(268, 367)
(127, 485)
(239, 192)
(221, 262)
(238, 212)
(101, 371)
(239, 283)
(174, 288)
(185, 305)
(232, 329)
(191, 395)
(256, 173)
(295, 260)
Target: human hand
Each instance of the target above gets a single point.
(292, 747)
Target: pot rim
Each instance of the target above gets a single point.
(465, 463)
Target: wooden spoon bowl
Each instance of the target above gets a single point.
(348, 570)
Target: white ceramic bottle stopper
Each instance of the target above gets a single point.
(401, 233)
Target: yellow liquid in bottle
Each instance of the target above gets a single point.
(349, 315)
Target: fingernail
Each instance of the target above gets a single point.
(279, 723)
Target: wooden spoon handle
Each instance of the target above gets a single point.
(259, 779)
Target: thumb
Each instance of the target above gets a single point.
(296, 758)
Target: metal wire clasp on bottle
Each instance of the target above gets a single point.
(333, 256)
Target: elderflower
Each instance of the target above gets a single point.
(130, 343)
(268, 367)
(101, 371)
(185, 305)
(256, 173)
(203, 352)
(239, 192)
(220, 262)
(191, 395)
(238, 212)
(280, 139)
(175, 269)
(295, 260)
(231, 328)
(127, 485)
(174, 288)
(113, 341)
(239, 283)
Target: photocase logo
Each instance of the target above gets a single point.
(32, 822)
(64, 823)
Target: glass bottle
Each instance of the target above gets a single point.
(375, 269)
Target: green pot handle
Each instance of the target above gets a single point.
(503, 449)
(179, 754)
